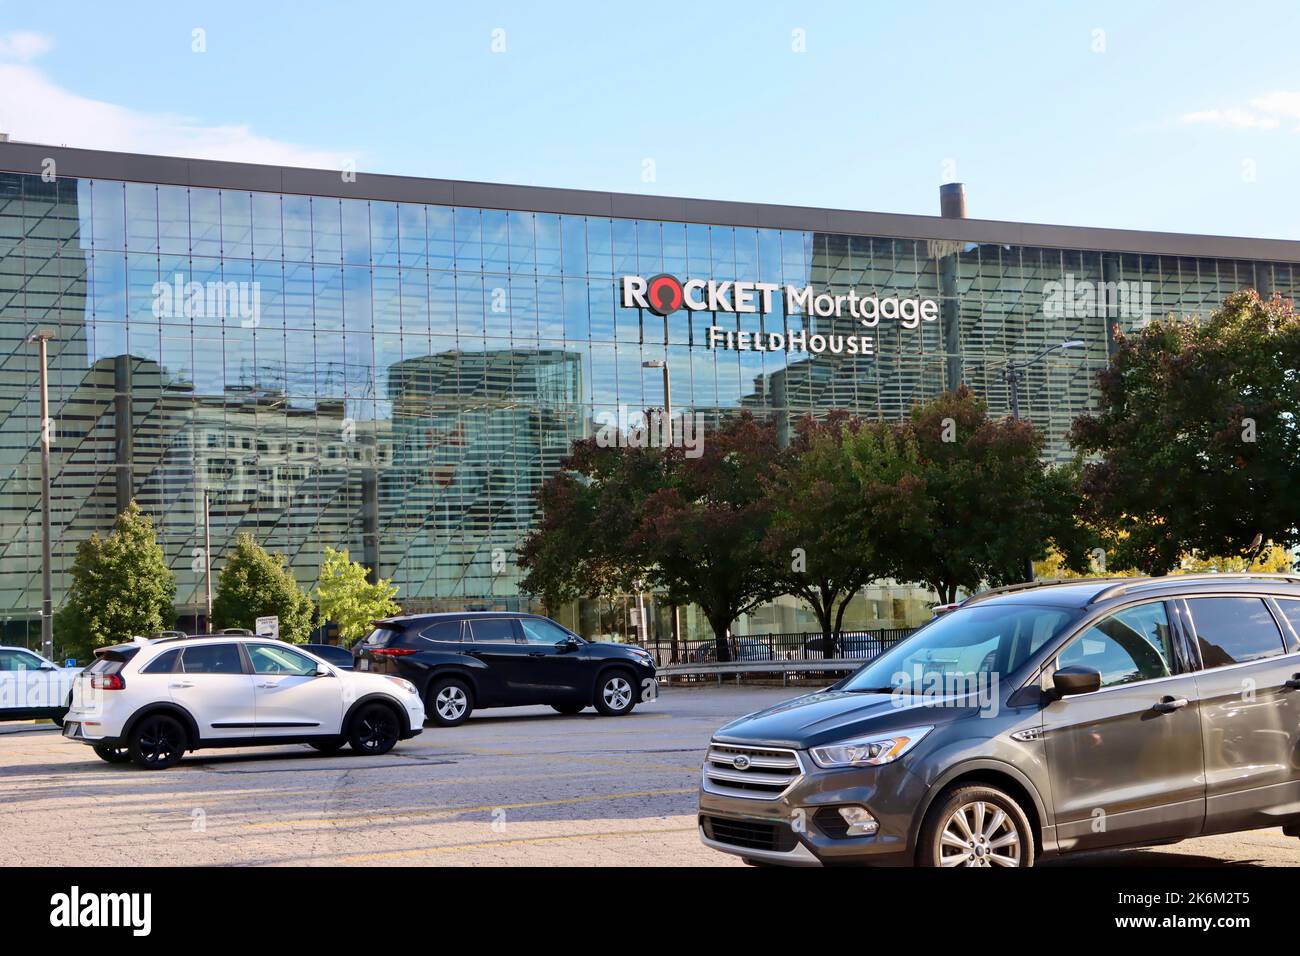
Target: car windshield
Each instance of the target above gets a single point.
(991, 639)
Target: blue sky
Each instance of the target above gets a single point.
(1174, 116)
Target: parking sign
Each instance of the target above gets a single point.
(268, 627)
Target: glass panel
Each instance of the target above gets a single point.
(1234, 630)
(1131, 645)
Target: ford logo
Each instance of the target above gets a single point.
(741, 762)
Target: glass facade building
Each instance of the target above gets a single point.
(394, 365)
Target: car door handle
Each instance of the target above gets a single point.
(270, 683)
(1167, 705)
(536, 653)
(182, 683)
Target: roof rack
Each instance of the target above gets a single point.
(241, 631)
(1132, 584)
(1029, 585)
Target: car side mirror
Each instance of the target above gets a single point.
(565, 645)
(47, 666)
(1075, 679)
(323, 671)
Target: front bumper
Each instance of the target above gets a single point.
(800, 836)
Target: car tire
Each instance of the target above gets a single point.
(112, 753)
(328, 746)
(374, 730)
(615, 693)
(976, 825)
(157, 741)
(449, 702)
(568, 710)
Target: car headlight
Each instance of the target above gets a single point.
(642, 656)
(406, 685)
(869, 751)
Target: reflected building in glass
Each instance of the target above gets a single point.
(394, 365)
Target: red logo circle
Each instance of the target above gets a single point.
(664, 293)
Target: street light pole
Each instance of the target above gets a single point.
(42, 337)
(207, 556)
(668, 417)
(1013, 374)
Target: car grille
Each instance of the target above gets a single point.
(749, 834)
(759, 773)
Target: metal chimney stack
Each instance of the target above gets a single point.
(952, 200)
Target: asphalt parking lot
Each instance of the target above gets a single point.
(523, 786)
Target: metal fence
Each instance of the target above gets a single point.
(799, 646)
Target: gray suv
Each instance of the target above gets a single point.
(1034, 720)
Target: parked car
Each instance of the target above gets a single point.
(33, 687)
(851, 646)
(340, 657)
(151, 701)
(1031, 721)
(743, 649)
(466, 660)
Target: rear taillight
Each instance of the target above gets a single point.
(393, 651)
(108, 682)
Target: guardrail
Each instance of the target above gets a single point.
(784, 668)
(860, 646)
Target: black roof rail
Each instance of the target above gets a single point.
(1132, 584)
(1029, 585)
(241, 631)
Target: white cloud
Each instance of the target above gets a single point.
(1279, 103)
(33, 108)
(1261, 112)
(24, 45)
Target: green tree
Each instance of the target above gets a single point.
(255, 583)
(121, 586)
(988, 503)
(1197, 437)
(346, 597)
(691, 528)
(700, 537)
(828, 533)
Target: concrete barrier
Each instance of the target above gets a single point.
(784, 668)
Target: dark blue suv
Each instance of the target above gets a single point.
(468, 659)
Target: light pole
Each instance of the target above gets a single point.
(668, 417)
(207, 557)
(1013, 373)
(42, 337)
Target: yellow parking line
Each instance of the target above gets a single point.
(517, 841)
(458, 811)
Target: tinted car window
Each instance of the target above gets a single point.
(1291, 611)
(1130, 645)
(19, 661)
(212, 659)
(274, 659)
(163, 663)
(988, 638)
(1233, 630)
(339, 656)
(539, 631)
(494, 629)
(442, 631)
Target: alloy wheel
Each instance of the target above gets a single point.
(979, 834)
(377, 728)
(451, 702)
(158, 743)
(617, 693)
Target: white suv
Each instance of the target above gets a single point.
(152, 700)
(33, 687)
